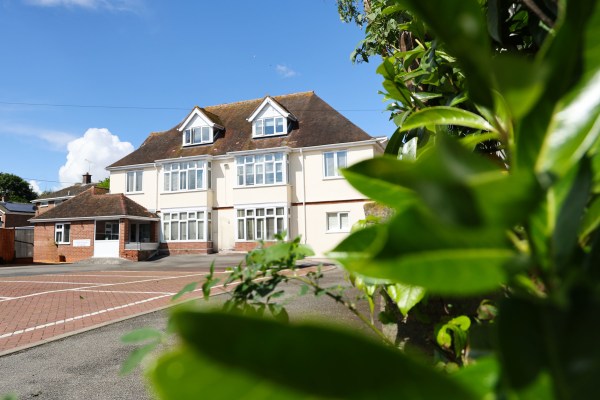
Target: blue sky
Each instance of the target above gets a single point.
(149, 62)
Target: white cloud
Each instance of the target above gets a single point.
(35, 186)
(111, 5)
(57, 140)
(285, 71)
(94, 151)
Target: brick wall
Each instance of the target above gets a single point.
(249, 246)
(16, 220)
(45, 250)
(177, 248)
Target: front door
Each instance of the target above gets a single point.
(106, 242)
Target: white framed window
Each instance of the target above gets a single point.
(186, 226)
(44, 204)
(198, 135)
(261, 169)
(187, 175)
(261, 223)
(269, 126)
(338, 221)
(134, 181)
(62, 233)
(333, 161)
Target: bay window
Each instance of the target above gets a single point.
(261, 169)
(187, 175)
(186, 226)
(261, 223)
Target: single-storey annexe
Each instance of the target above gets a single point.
(95, 224)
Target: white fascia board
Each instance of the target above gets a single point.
(283, 149)
(130, 167)
(101, 218)
(337, 145)
(270, 101)
(188, 158)
(184, 209)
(260, 205)
(52, 199)
(197, 111)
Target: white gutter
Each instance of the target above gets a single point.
(103, 218)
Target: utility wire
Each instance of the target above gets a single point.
(14, 103)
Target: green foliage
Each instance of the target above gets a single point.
(15, 189)
(521, 227)
(105, 183)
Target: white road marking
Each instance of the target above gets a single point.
(62, 283)
(120, 291)
(101, 285)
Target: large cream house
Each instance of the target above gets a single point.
(231, 175)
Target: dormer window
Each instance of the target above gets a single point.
(198, 135)
(199, 128)
(270, 119)
(270, 126)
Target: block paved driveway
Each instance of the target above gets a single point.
(45, 302)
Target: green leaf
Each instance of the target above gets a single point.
(405, 296)
(591, 219)
(466, 38)
(418, 250)
(142, 334)
(443, 115)
(569, 218)
(377, 186)
(230, 343)
(190, 287)
(520, 81)
(184, 375)
(136, 357)
(471, 141)
(482, 376)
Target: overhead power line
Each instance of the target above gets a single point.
(15, 103)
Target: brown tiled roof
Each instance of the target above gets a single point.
(96, 202)
(66, 192)
(318, 124)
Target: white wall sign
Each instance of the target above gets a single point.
(81, 243)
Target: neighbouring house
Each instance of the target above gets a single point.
(95, 223)
(231, 175)
(47, 201)
(14, 215)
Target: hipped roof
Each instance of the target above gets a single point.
(317, 124)
(95, 203)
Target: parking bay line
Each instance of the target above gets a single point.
(101, 285)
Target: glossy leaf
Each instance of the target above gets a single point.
(466, 38)
(445, 116)
(405, 296)
(482, 376)
(591, 219)
(230, 343)
(190, 287)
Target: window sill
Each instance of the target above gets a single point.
(332, 178)
(134, 192)
(262, 185)
(333, 232)
(186, 191)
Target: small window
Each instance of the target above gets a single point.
(134, 181)
(62, 233)
(333, 162)
(338, 222)
(198, 135)
(270, 126)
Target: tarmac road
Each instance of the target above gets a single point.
(86, 365)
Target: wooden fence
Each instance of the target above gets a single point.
(7, 245)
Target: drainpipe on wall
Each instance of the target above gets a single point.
(304, 194)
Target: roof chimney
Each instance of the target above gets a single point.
(87, 178)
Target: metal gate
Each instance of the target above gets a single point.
(24, 242)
